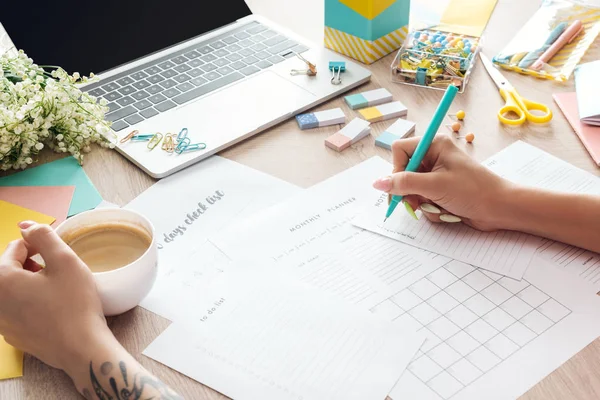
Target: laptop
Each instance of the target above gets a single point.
(216, 69)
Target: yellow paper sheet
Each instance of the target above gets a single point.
(11, 361)
(10, 216)
(467, 17)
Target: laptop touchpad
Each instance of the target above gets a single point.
(221, 118)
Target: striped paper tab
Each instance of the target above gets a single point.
(366, 51)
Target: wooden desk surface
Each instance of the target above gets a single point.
(301, 158)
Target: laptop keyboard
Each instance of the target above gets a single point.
(158, 86)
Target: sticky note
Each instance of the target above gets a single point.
(53, 201)
(368, 99)
(356, 130)
(384, 112)
(11, 361)
(467, 17)
(63, 172)
(11, 216)
(321, 118)
(385, 140)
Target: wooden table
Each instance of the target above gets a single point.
(301, 158)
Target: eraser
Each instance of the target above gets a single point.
(368, 99)
(384, 111)
(398, 130)
(356, 130)
(338, 142)
(321, 118)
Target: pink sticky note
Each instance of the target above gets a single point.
(50, 200)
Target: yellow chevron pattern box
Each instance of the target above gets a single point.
(366, 30)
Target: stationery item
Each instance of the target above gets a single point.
(527, 165)
(154, 141)
(311, 69)
(588, 134)
(355, 131)
(13, 214)
(466, 17)
(63, 172)
(368, 99)
(11, 361)
(398, 130)
(587, 86)
(384, 112)
(168, 144)
(483, 330)
(436, 59)
(321, 118)
(514, 102)
(272, 337)
(228, 191)
(366, 30)
(533, 38)
(424, 144)
(136, 136)
(460, 115)
(531, 57)
(53, 201)
(565, 38)
(336, 68)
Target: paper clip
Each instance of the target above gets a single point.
(182, 145)
(168, 144)
(182, 134)
(156, 138)
(310, 71)
(135, 136)
(191, 147)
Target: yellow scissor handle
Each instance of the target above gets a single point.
(522, 108)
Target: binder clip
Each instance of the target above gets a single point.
(339, 67)
(310, 71)
(135, 136)
(154, 141)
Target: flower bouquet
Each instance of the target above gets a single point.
(43, 106)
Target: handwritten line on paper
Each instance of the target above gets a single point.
(505, 252)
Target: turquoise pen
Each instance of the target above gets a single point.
(424, 144)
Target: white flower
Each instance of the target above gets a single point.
(39, 146)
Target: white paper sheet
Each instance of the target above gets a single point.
(188, 207)
(527, 165)
(505, 252)
(487, 335)
(256, 334)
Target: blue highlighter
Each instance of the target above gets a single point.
(424, 144)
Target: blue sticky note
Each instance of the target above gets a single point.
(64, 172)
(385, 140)
(356, 101)
(307, 121)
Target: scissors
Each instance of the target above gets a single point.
(514, 102)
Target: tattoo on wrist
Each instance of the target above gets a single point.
(119, 385)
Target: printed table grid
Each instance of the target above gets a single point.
(474, 320)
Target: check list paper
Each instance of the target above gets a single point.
(256, 334)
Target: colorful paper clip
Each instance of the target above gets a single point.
(310, 71)
(156, 138)
(184, 146)
(168, 144)
(182, 134)
(135, 136)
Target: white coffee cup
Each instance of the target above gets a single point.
(124, 288)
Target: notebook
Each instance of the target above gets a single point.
(589, 134)
(587, 86)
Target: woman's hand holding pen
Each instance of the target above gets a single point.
(449, 187)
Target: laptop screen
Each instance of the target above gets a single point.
(94, 36)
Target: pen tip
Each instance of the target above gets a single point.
(384, 220)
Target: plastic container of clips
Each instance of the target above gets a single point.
(436, 59)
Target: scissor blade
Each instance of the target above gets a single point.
(496, 76)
